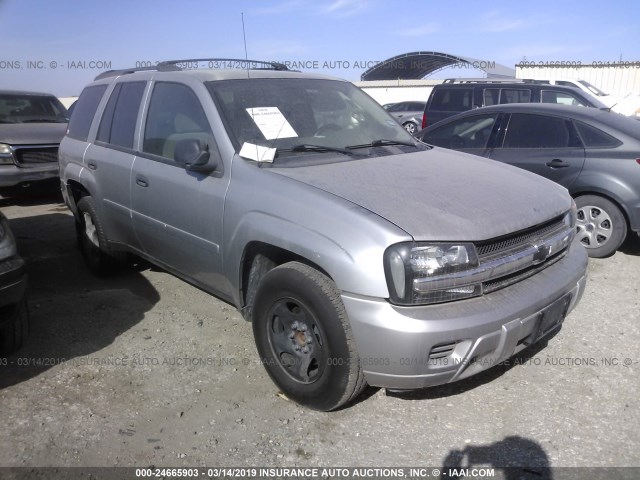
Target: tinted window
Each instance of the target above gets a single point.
(491, 96)
(562, 98)
(174, 114)
(594, 137)
(508, 95)
(464, 133)
(119, 119)
(84, 111)
(451, 100)
(398, 107)
(538, 131)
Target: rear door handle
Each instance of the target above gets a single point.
(557, 163)
(142, 181)
(92, 165)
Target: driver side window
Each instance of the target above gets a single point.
(174, 114)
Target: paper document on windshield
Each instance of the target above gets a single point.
(258, 153)
(272, 122)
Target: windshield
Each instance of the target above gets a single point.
(21, 108)
(301, 116)
(592, 88)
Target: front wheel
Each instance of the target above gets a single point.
(304, 338)
(601, 226)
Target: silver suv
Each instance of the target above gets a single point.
(360, 255)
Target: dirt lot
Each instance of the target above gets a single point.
(143, 369)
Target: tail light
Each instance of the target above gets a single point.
(424, 120)
(637, 159)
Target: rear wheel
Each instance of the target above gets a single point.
(410, 127)
(93, 242)
(304, 338)
(601, 226)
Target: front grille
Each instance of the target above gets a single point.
(497, 246)
(29, 156)
(506, 280)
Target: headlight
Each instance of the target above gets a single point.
(423, 273)
(6, 155)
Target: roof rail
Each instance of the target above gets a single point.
(126, 71)
(175, 66)
(494, 80)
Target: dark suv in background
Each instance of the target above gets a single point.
(459, 95)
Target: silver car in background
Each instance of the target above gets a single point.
(360, 255)
(31, 127)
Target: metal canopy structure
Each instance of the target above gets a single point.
(417, 65)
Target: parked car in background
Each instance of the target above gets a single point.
(459, 95)
(14, 314)
(408, 114)
(595, 154)
(360, 255)
(626, 104)
(31, 127)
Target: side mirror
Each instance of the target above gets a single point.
(194, 156)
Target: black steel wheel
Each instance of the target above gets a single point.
(304, 338)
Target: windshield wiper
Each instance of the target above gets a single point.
(306, 147)
(383, 143)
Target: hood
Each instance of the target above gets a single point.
(32, 133)
(440, 194)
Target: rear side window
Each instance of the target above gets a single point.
(539, 131)
(84, 111)
(175, 114)
(594, 137)
(119, 119)
(491, 96)
(451, 100)
(471, 132)
(512, 95)
(561, 98)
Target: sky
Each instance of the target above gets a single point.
(58, 46)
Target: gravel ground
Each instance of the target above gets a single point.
(144, 369)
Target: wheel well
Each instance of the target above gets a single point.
(76, 191)
(269, 257)
(612, 200)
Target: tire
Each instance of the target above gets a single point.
(410, 127)
(93, 242)
(601, 227)
(321, 371)
(14, 331)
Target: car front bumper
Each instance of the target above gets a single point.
(11, 175)
(416, 347)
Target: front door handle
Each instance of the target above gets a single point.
(557, 163)
(142, 181)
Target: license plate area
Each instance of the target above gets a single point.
(552, 317)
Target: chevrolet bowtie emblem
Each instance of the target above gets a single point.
(542, 253)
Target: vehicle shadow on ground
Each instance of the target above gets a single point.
(486, 376)
(33, 195)
(73, 312)
(516, 457)
(631, 246)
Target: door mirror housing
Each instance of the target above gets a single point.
(194, 155)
